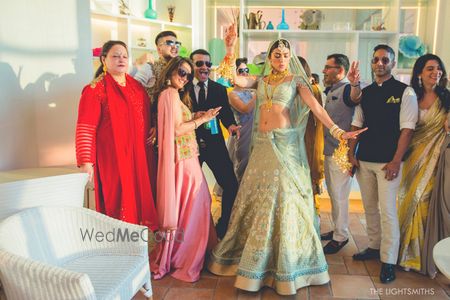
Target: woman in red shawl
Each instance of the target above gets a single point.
(112, 140)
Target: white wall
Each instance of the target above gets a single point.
(443, 41)
(436, 29)
(45, 60)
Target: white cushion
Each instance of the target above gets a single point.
(113, 277)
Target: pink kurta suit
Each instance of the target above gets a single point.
(183, 199)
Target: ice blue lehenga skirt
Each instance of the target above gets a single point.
(271, 239)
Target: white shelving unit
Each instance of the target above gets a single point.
(315, 45)
(108, 24)
(345, 28)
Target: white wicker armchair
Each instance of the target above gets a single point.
(72, 253)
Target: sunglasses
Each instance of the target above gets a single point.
(200, 63)
(243, 70)
(182, 73)
(172, 43)
(384, 60)
(327, 67)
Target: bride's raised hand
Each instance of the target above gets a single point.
(231, 36)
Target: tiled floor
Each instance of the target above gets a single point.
(349, 279)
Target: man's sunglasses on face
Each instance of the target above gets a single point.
(200, 63)
(327, 67)
(243, 70)
(384, 60)
(172, 43)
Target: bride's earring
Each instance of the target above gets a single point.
(420, 81)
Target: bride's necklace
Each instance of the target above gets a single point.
(273, 78)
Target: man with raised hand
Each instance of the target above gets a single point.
(342, 96)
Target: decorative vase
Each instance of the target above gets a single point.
(171, 11)
(123, 8)
(270, 26)
(283, 25)
(150, 13)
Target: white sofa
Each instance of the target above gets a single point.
(43, 255)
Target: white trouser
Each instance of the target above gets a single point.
(338, 186)
(379, 199)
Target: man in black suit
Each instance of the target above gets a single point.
(206, 94)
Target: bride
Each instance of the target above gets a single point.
(272, 239)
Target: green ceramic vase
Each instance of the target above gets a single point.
(150, 13)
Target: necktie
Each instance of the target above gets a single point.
(201, 94)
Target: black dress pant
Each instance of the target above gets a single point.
(216, 156)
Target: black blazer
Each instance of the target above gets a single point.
(216, 96)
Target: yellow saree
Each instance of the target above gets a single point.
(314, 143)
(419, 171)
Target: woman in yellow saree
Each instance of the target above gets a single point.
(314, 142)
(429, 81)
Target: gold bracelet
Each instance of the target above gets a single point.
(334, 127)
(339, 134)
(227, 67)
(336, 132)
(340, 154)
(195, 124)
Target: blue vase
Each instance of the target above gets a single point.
(269, 26)
(150, 13)
(283, 25)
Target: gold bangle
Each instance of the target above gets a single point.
(227, 67)
(339, 133)
(230, 59)
(333, 129)
(336, 132)
(195, 124)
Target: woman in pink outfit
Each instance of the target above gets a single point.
(183, 199)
